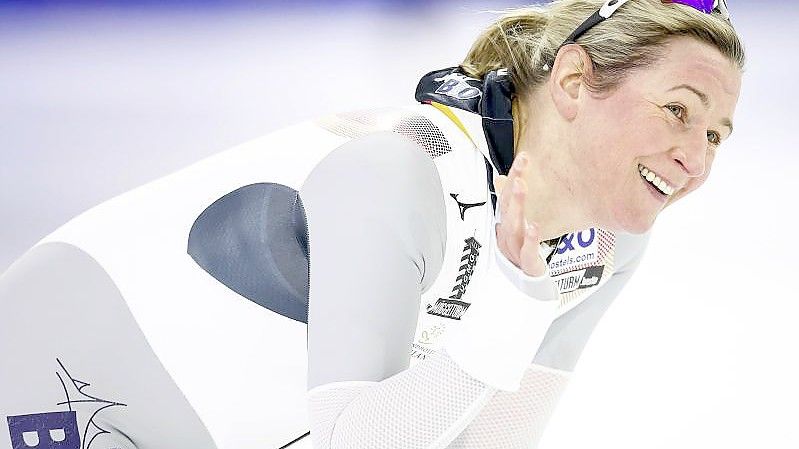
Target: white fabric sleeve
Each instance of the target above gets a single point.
(501, 358)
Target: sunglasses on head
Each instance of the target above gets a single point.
(607, 10)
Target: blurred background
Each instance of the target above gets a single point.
(99, 97)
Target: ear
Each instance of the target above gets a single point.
(571, 68)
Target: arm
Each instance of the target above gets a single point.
(377, 224)
(518, 418)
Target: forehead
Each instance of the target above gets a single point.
(689, 61)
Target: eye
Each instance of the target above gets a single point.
(677, 110)
(714, 138)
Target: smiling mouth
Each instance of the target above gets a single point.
(652, 178)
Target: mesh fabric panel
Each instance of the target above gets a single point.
(513, 420)
(417, 127)
(423, 407)
(325, 405)
(434, 404)
(424, 133)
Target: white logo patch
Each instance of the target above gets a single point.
(455, 86)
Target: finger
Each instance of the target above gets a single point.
(501, 240)
(513, 220)
(530, 259)
(518, 171)
(505, 197)
(509, 231)
(500, 189)
(499, 184)
(519, 166)
(507, 181)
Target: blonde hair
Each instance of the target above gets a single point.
(525, 40)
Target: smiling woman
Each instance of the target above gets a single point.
(421, 277)
(627, 70)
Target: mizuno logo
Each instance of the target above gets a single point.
(464, 206)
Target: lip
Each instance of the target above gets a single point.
(659, 196)
(668, 180)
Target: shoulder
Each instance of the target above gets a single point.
(630, 248)
(378, 165)
(389, 185)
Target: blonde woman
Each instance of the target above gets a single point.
(415, 278)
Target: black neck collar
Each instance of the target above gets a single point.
(490, 98)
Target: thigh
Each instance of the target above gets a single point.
(76, 372)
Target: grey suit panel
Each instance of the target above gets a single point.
(253, 240)
(568, 335)
(377, 223)
(75, 363)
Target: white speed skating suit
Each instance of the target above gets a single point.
(339, 276)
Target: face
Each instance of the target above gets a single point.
(654, 139)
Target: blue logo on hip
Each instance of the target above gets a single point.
(59, 430)
(55, 430)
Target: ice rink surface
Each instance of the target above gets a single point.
(698, 351)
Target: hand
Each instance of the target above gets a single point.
(517, 239)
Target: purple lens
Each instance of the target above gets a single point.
(705, 6)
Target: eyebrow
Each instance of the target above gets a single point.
(704, 99)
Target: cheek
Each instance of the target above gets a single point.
(639, 134)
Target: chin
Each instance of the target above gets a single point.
(632, 223)
(639, 229)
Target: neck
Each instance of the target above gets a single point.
(553, 200)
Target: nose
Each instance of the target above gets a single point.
(691, 152)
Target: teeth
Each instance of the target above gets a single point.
(655, 180)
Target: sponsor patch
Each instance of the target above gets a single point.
(455, 85)
(453, 307)
(579, 279)
(448, 308)
(59, 429)
(575, 250)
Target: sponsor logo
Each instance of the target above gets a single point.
(464, 206)
(448, 308)
(576, 250)
(455, 85)
(451, 307)
(44, 430)
(429, 335)
(420, 352)
(579, 279)
(59, 429)
(582, 239)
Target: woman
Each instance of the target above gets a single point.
(489, 256)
